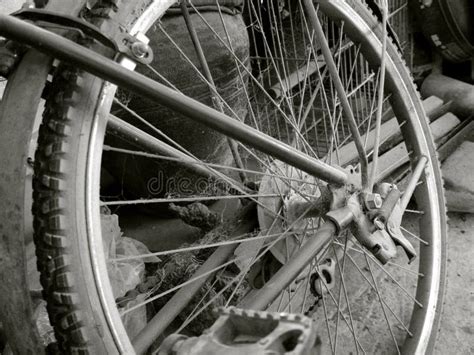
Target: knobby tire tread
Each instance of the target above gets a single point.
(52, 205)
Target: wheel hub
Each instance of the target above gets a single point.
(285, 213)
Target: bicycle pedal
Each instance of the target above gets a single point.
(241, 331)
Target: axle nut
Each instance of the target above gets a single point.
(373, 201)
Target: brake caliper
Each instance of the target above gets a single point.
(374, 220)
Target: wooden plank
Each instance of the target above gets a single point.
(389, 129)
(397, 156)
(453, 142)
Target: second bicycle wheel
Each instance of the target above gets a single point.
(102, 152)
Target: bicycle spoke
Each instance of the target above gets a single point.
(392, 278)
(384, 302)
(339, 312)
(283, 178)
(339, 88)
(344, 289)
(378, 120)
(381, 303)
(414, 235)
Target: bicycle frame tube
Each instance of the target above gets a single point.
(261, 298)
(70, 52)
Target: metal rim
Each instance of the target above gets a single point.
(434, 255)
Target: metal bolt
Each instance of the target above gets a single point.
(373, 201)
(379, 223)
(139, 49)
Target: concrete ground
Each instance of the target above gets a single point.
(456, 335)
(8, 6)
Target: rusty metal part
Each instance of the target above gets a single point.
(239, 331)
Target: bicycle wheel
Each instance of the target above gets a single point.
(280, 85)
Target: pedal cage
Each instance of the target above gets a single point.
(241, 331)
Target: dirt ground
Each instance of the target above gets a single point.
(457, 326)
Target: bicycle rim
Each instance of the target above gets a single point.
(271, 99)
